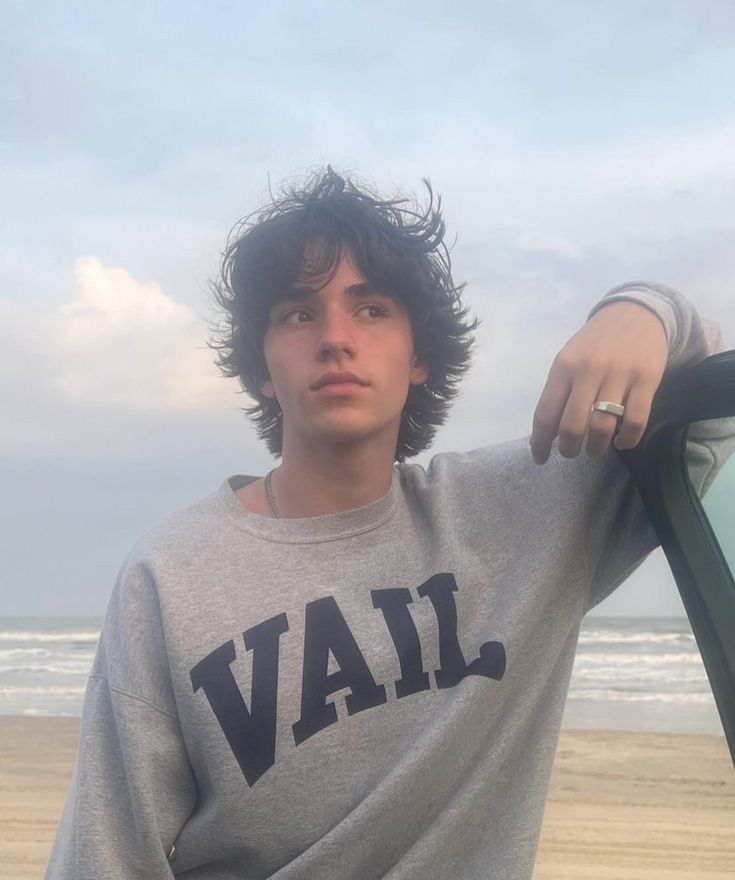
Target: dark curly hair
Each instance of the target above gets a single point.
(398, 249)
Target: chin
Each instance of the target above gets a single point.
(351, 431)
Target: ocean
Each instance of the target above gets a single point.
(630, 673)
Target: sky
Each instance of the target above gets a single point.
(575, 146)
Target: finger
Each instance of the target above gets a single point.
(637, 415)
(575, 419)
(603, 425)
(547, 414)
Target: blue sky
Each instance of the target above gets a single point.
(575, 145)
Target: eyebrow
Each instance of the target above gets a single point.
(363, 288)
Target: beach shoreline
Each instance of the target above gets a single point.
(624, 805)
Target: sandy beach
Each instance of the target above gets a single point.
(630, 806)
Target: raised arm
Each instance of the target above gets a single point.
(634, 334)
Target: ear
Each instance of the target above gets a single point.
(419, 372)
(267, 389)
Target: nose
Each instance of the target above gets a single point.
(336, 337)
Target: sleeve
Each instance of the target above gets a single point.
(691, 338)
(133, 787)
(617, 533)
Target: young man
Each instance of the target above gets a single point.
(355, 667)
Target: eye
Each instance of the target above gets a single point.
(377, 310)
(292, 317)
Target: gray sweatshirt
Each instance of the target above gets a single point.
(376, 693)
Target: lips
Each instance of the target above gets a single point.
(336, 379)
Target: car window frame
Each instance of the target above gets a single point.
(658, 465)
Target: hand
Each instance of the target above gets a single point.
(619, 355)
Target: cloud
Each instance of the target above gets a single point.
(580, 194)
(545, 243)
(668, 162)
(125, 344)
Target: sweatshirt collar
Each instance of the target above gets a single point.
(312, 529)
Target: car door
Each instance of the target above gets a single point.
(688, 450)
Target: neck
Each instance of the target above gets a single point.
(331, 479)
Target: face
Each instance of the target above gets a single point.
(346, 327)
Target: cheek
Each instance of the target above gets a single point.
(274, 385)
(266, 385)
(275, 368)
(285, 372)
(398, 378)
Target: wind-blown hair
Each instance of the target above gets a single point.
(400, 250)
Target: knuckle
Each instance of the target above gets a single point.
(566, 361)
(568, 435)
(637, 373)
(542, 420)
(636, 425)
(577, 363)
(599, 432)
(542, 429)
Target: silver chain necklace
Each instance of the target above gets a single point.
(269, 495)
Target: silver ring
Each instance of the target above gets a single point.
(615, 409)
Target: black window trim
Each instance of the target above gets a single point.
(658, 465)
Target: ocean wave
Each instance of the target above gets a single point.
(690, 658)
(38, 636)
(601, 636)
(32, 659)
(47, 713)
(62, 668)
(599, 695)
(641, 677)
(12, 690)
(7, 653)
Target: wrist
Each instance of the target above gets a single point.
(633, 311)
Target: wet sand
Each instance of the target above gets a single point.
(629, 806)
(639, 806)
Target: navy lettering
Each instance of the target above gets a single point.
(491, 662)
(326, 630)
(394, 605)
(251, 734)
